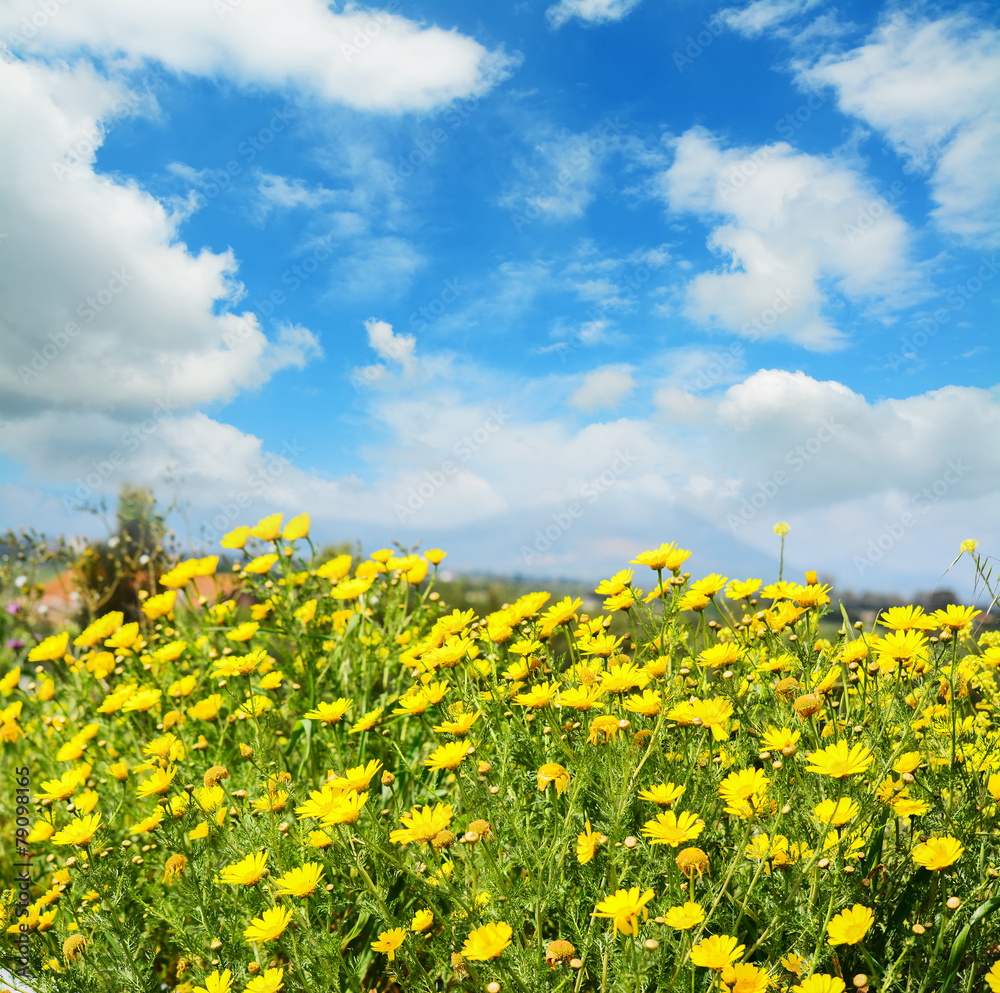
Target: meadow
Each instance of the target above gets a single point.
(323, 777)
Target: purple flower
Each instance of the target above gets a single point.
(13, 607)
(14, 644)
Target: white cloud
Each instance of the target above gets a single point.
(603, 389)
(370, 60)
(104, 307)
(930, 87)
(559, 182)
(589, 11)
(787, 224)
(763, 15)
(393, 347)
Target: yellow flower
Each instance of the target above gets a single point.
(351, 589)
(261, 564)
(841, 760)
(719, 656)
(461, 725)
(673, 829)
(778, 739)
(422, 825)
(368, 721)
(207, 709)
(553, 772)
(244, 631)
(102, 628)
(357, 778)
(216, 983)
(781, 528)
(269, 926)
(157, 784)
(745, 978)
(301, 881)
(175, 866)
(50, 649)
(907, 807)
(604, 728)
(10, 682)
(389, 941)
(538, 696)
(236, 538)
(434, 555)
(836, 812)
(159, 605)
(685, 917)
(142, 700)
(297, 527)
(716, 952)
(850, 926)
(267, 528)
(952, 616)
(247, 871)
(269, 982)
(329, 713)
(938, 853)
(742, 786)
(667, 556)
(150, 823)
(624, 908)
(78, 832)
(820, 983)
(422, 921)
(663, 794)
(63, 787)
(587, 844)
(448, 756)
(487, 942)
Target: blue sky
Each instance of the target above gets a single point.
(542, 284)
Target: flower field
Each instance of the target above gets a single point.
(326, 779)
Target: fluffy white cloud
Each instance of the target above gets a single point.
(368, 59)
(794, 229)
(930, 86)
(589, 11)
(103, 307)
(603, 389)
